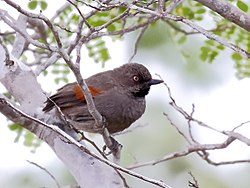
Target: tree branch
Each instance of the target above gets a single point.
(44, 169)
(71, 152)
(229, 12)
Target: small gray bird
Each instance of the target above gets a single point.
(119, 96)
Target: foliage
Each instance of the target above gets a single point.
(37, 4)
(210, 49)
(30, 140)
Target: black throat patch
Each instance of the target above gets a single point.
(142, 92)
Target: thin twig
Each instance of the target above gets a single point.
(7, 54)
(9, 21)
(82, 16)
(208, 34)
(240, 125)
(190, 124)
(44, 169)
(38, 16)
(59, 11)
(189, 150)
(172, 5)
(194, 183)
(137, 43)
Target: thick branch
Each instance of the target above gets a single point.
(228, 11)
(92, 173)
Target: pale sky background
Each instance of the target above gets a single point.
(224, 106)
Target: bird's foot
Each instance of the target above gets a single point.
(114, 148)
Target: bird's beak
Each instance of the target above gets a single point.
(154, 82)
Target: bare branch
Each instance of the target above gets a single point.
(38, 16)
(82, 16)
(7, 54)
(193, 183)
(172, 5)
(238, 136)
(20, 42)
(137, 43)
(44, 169)
(189, 150)
(59, 11)
(161, 6)
(208, 34)
(9, 21)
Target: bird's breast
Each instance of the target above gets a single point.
(120, 110)
(135, 108)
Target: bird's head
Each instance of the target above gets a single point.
(135, 78)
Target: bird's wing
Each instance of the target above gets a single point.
(70, 95)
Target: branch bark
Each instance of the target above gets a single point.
(85, 166)
(229, 12)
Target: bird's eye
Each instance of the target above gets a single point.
(136, 78)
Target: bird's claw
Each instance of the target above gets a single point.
(115, 148)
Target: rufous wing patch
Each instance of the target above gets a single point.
(79, 94)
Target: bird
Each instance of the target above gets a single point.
(118, 95)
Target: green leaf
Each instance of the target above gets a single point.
(104, 54)
(199, 18)
(182, 39)
(18, 129)
(236, 56)
(14, 126)
(243, 6)
(28, 139)
(57, 80)
(231, 30)
(201, 11)
(210, 42)
(100, 43)
(56, 71)
(204, 55)
(45, 72)
(65, 79)
(32, 5)
(212, 56)
(97, 50)
(188, 12)
(205, 49)
(65, 71)
(75, 17)
(111, 27)
(220, 47)
(43, 5)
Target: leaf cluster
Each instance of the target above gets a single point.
(211, 49)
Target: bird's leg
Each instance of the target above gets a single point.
(114, 146)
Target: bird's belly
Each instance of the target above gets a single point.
(124, 114)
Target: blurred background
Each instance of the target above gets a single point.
(221, 100)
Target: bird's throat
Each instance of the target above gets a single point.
(141, 93)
